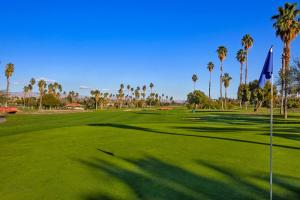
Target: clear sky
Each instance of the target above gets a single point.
(100, 44)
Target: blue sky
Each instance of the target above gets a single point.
(101, 44)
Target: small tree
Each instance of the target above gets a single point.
(194, 79)
(197, 99)
(50, 100)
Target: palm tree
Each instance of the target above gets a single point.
(151, 86)
(144, 91)
(128, 94)
(222, 53)
(287, 25)
(29, 88)
(241, 58)
(210, 67)
(137, 95)
(25, 91)
(9, 70)
(96, 94)
(247, 42)
(32, 81)
(60, 89)
(121, 94)
(50, 88)
(42, 85)
(226, 81)
(194, 79)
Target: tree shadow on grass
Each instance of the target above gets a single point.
(242, 119)
(290, 136)
(149, 130)
(214, 129)
(292, 184)
(153, 179)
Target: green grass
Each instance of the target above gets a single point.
(147, 155)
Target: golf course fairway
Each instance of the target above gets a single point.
(172, 154)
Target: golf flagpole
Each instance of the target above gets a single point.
(271, 142)
(267, 74)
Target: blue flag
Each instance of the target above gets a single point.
(267, 70)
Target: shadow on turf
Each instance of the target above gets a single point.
(156, 179)
(290, 136)
(221, 130)
(242, 119)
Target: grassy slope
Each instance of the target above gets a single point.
(147, 155)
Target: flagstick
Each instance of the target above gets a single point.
(271, 135)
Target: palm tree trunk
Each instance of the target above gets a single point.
(241, 80)
(24, 100)
(246, 77)
(221, 75)
(7, 91)
(286, 69)
(246, 69)
(194, 85)
(225, 97)
(209, 90)
(41, 98)
(282, 84)
(241, 73)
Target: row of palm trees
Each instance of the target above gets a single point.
(55, 89)
(242, 56)
(133, 96)
(287, 26)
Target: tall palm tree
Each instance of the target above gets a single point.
(60, 89)
(241, 58)
(151, 87)
(121, 94)
(210, 67)
(247, 42)
(55, 88)
(287, 25)
(132, 91)
(50, 88)
(226, 81)
(9, 70)
(128, 88)
(96, 94)
(144, 91)
(25, 92)
(42, 86)
(222, 53)
(194, 79)
(29, 88)
(128, 94)
(137, 95)
(32, 83)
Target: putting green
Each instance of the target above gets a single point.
(151, 155)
